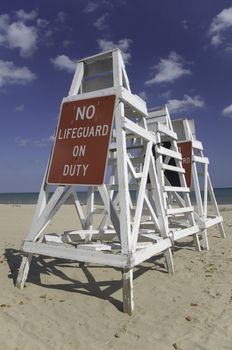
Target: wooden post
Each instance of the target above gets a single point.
(23, 271)
(128, 299)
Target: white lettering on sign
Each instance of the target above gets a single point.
(86, 131)
(75, 169)
(84, 112)
(186, 160)
(79, 151)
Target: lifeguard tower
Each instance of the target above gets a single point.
(102, 143)
(195, 168)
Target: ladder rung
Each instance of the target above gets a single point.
(173, 168)
(186, 232)
(176, 189)
(198, 159)
(197, 144)
(179, 210)
(169, 153)
(164, 130)
(151, 236)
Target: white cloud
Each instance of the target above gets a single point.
(100, 22)
(122, 44)
(26, 16)
(24, 31)
(227, 111)
(18, 35)
(66, 43)
(186, 103)
(40, 143)
(61, 16)
(22, 142)
(91, 7)
(63, 62)
(19, 108)
(42, 23)
(11, 74)
(165, 95)
(22, 37)
(219, 25)
(185, 24)
(169, 69)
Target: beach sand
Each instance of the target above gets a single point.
(65, 306)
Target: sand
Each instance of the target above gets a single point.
(65, 306)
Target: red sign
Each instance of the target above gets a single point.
(185, 148)
(82, 140)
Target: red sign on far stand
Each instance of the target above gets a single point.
(82, 141)
(185, 149)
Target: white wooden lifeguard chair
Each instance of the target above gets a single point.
(171, 174)
(103, 144)
(203, 189)
(196, 168)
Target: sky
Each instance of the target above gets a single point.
(176, 52)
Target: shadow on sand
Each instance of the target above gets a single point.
(100, 289)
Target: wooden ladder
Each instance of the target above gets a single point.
(176, 199)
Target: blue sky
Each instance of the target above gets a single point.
(177, 53)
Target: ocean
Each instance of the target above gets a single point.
(223, 196)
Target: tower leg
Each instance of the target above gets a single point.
(196, 242)
(204, 242)
(23, 271)
(128, 297)
(169, 261)
(221, 229)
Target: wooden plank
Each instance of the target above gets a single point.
(123, 180)
(128, 297)
(134, 101)
(132, 169)
(89, 210)
(109, 206)
(203, 160)
(157, 113)
(200, 210)
(174, 211)
(140, 199)
(164, 130)
(98, 247)
(169, 153)
(186, 232)
(138, 130)
(176, 189)
(79, 210)
(146, 253)
(212, 221)
(156, 183)
(215, 206)
(23, 271)
(101, 56)
(70, 253)
(76, 83)
(151, 206)
(92, 94)
(205, 194)
(117, 71)
(197, 145)
(125, 79)
(173, 168)
(151, 236)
